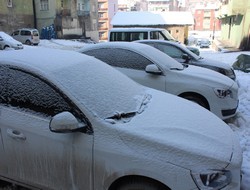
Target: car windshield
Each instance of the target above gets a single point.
(101, 89)
(5, 36)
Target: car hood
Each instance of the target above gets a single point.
(174, 130)
(208, 76)
(211, 63)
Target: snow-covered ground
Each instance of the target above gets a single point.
(240, 124)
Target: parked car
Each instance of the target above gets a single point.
(203, 42)
(6, 41)
(141, 33)
(28, 36)
(153, 68)
(183, 55)
(84, 125)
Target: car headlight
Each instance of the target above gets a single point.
(212, 179)
(222, 93)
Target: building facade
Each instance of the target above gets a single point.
(70, 17)
(16, 14)
(205, 18)
(106, 11)
(235, 22)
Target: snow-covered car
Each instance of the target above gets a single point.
(84, 125)
(6, 41)
(153, 68)
(184, 55)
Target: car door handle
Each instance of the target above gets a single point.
(15, 134)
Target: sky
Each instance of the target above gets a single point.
(240, 124)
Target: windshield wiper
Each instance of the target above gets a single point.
(118, 116)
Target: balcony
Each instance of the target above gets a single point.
(103, 9)
(234, 7)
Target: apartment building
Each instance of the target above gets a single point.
(106, 11)
(70, 17)
(205, 17)
(16, 14)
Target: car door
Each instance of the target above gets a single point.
(35, 155)
(131, 64)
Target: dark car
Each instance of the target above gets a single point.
(184, 55)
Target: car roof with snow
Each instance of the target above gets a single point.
(151, 53)
(174, 43)
(80, 76)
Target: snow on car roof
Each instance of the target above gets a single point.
(86, 80)
(7, 37)
(158, 57)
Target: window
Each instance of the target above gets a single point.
(44, 5)
(25, 33)
(9, 3)
(26, 91)
(170, 50)
(113, 57)
(15, 33)
(157, 35)
(128, 36)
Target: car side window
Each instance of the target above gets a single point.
(120, 58)
(170, 50)
(15, 33)
(26, 91)
(25, 33)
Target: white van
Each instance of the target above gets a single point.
(28, 36)
(133, 34)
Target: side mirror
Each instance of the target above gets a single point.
(1, 39)
(186, 58)
(65, 122)
(153, 69)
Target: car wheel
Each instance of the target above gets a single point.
(137, 183)
(197, 100)
(6, 47)
(28, 42)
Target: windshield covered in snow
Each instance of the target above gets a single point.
(101, 89)
(6, 36)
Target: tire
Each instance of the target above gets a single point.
(6, 47)
(140, 184)
(28, 42)
(197, 100)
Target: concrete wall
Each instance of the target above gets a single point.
(236, 28)
(19, 15)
